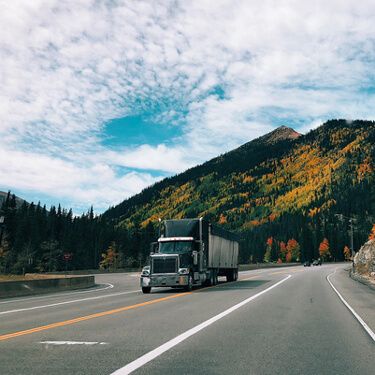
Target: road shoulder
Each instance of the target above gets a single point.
(359, 296)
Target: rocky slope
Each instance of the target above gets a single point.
(364, 261)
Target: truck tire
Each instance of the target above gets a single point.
(189, 287)
(230, 276)
(146, 289)
(209, 281)
(216, 281)
(236, 274)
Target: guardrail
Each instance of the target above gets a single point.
(249, 267)
(30, 287)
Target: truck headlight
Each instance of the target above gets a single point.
(183, 271)
(146, 271)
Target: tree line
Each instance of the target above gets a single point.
(34, 239)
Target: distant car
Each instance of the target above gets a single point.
(317, 262)
(307, 263)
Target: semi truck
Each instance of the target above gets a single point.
(188, 253)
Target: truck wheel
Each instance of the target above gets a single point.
(189, 287)
(215, 278)
(235, 275)
(231, 275)
(146, 289)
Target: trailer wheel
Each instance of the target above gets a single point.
(230, 276)
(146, 289)
(216, 281)
(235, 274)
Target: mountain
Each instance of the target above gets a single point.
(3, 197)
(282, 185)
(282, 133)
(239, 160)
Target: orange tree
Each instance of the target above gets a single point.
(324, 249)
(347, 253)
(293, 248)
(267, 254)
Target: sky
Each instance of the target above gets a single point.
(99, 99)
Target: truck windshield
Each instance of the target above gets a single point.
(175, 247)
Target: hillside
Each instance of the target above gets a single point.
(3, 197)
(281, 185)
(246, 157)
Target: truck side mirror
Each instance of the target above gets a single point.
(195, 258)
(154, 247)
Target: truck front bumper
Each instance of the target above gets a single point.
(164, 280)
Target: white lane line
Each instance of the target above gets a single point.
(141, 361)
(68, 302)
(54, 295)
(361, 321)
(72, 343)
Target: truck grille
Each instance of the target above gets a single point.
(164, 265)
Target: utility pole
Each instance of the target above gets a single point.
(351, 229)
(351, 237)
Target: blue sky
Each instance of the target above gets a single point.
(122, 94)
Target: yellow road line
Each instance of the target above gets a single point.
(275, 273)
(87, 317)
(248, 278)
(286, 271)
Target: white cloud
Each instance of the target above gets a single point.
(84, 185)
(67, 67)
(160, 158)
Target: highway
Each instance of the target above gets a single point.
(271, 321)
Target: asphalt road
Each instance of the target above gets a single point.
(266, 323)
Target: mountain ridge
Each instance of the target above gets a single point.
(269, 182)
(281, 135)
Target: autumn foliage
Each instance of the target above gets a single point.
(281, 252)
(347, 253)
(268, 253)
(324, 249)
(110, 258)
(293, 249)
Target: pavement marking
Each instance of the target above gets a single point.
(141, 361)
(278, 272)
(88, 317)
(286, 271)
(248, 278)
(360, 320)
(67, 302)
(13, 300)
(73, 343)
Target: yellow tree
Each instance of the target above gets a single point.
(372, 233)
(347, 253)
(110, 258)
(324, 249)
